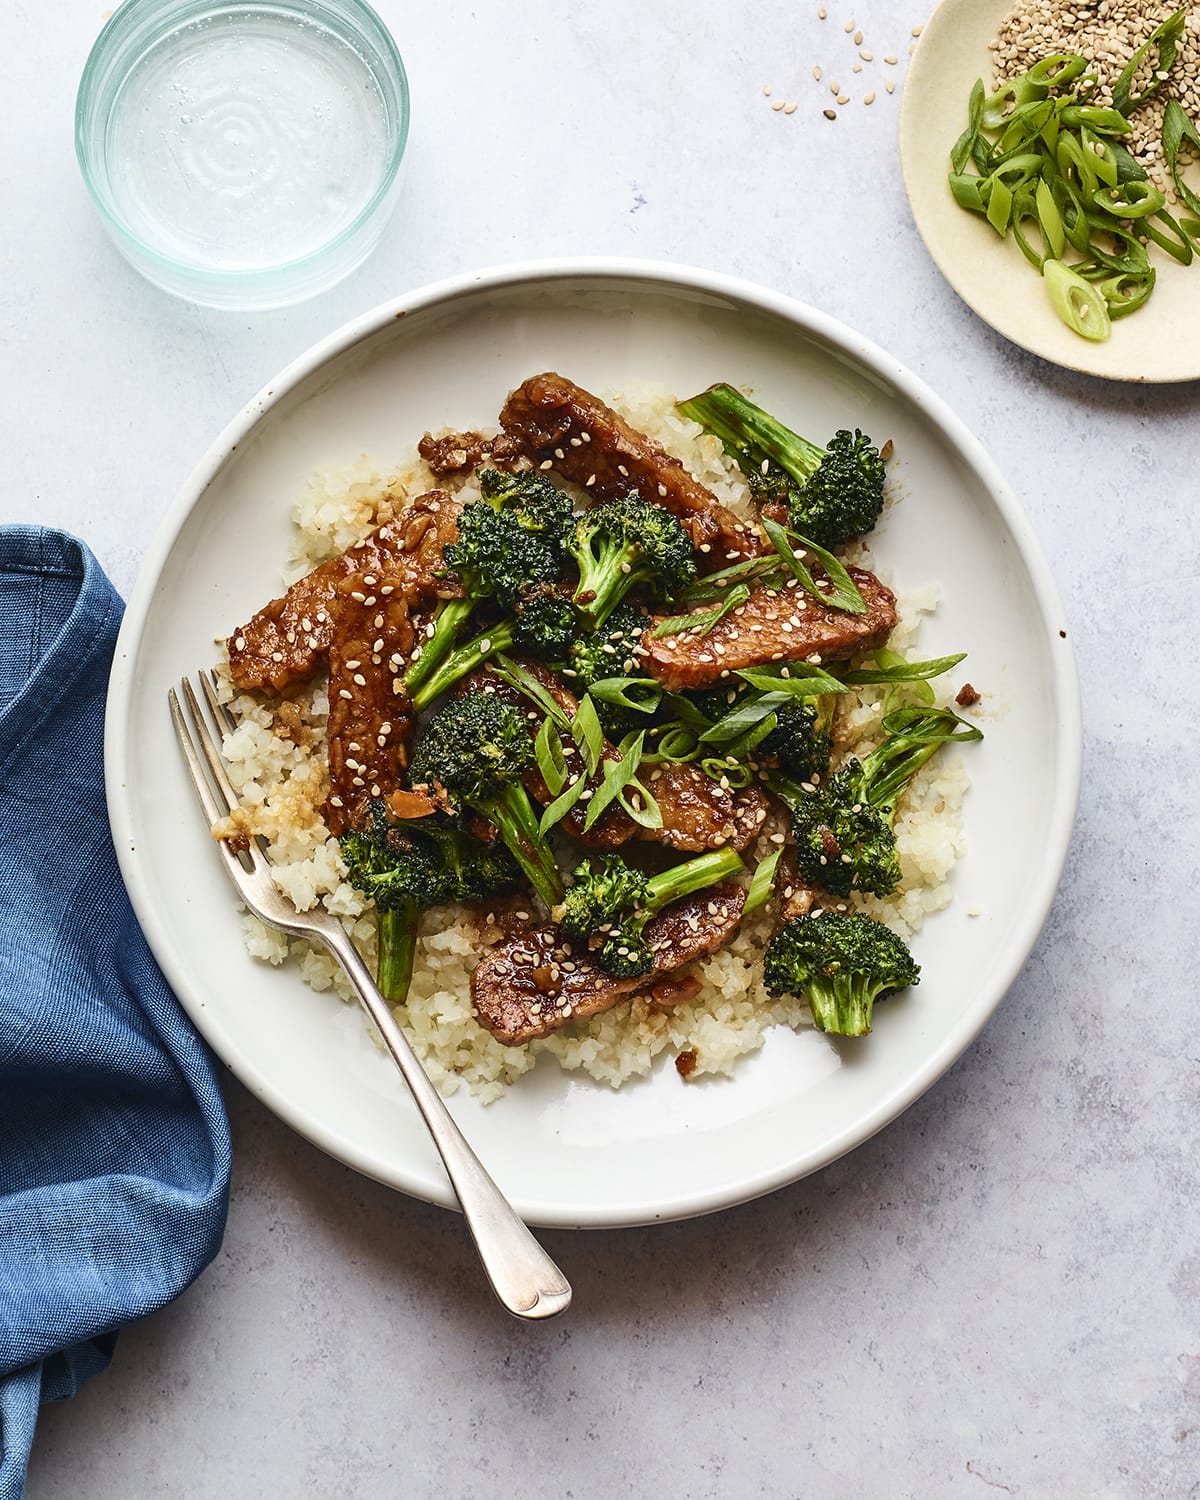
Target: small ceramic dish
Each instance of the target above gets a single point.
(1158, 343)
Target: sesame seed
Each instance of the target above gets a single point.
(817, 72)
(856, 67)
(916, 31)
(843, 98)
(867, 56)
(858, 38)
(890, 85)
(890, 60)
(546, 464)
(778, 105)
(822, 13)
(766, 90)
(849, 26)
(835, 87)
(558, 453)
(869, 99)
(830, 114)
(623, 471)
(240, 643)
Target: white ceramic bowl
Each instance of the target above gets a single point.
(568, 1151)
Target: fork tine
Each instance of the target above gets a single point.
(212, 810)
(209, 746)
(225, 720)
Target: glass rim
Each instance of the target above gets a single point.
(159, 21)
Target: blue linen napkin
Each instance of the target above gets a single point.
(114, 1147)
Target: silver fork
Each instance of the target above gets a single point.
(522, 1275)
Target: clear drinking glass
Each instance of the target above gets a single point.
(243, 154)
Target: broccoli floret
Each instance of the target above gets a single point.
(800, 744)
(477, 748)
(609, 903)
(832, 493)
(609, 651)
(532, 500)
(843, 830)
(545, 624)
(841, 962)
(406, 867)
(623, 543)
(594, 655)
(509, 542)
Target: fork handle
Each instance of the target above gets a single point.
(522, 1275)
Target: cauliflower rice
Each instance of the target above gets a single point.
(278, 768)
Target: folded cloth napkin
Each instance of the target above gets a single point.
(114, 1147)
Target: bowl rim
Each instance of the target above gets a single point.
(1044, 875)
(129, 14)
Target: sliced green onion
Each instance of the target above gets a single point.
(1131, 200)
(641, 695)
(1081, 307)
(551, 762)
(677, 744)
(702, 621)
(717, 768)
(1173, 238)
(1178, 128)
(1050, 219)
(795, 679)
(1125, 293)
(616, 776)
(587, 734)
(1091, 117)
(892, 667)
(746, 716)
(843, 595)
(762, 883)
(1166, 38)
(562, 805)
(525, 682)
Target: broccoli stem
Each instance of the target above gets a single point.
(607, 578)
(458, 663)
(740, 424)
(397, 950)
(513, 814)
(841, 1006)
(888, 770)
(451, 616)
(692, 875)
